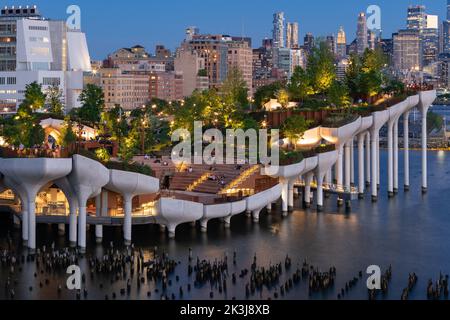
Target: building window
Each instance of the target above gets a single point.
(51, 81)
(11, 80)
(37, 28)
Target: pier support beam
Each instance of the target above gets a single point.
(391, 159)
(285, 197)
(396, 157)
(361, 182)
(368, 160)
(308, 180)
(348, 165)
(406, 148)
(374, 153)
(424, 111)
(128, 220)
(73, 223)
(255, 215)
(291, 195)
(98, 213)
(25, 221)
(339, 168)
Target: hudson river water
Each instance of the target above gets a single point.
(410, 232)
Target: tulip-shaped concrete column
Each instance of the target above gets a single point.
(406, 148)
(98, 214)
(396, 157)
(426, 100)
(32, 175)
(368, 160)
(339, 167)
(324, 164)
(71, 196)
(308, 180)
(129, 185)
(24, 201)
(391, 158)
(348, 165)
(287, 195)
(87, 178)
(379, 120)
(361, 173)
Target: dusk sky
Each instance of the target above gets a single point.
(113, 24)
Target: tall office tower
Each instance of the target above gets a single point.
(341, 43)
(331, 43)
(417, 18)
(430, 40)
(292, 35)
(35, 49)
(445, 34)
(406, 51)
(372, 40)
(362, 34)
(278, 30)
(308, 43)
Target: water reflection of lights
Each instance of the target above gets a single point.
(441, 156)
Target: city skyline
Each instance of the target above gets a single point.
(147, 30)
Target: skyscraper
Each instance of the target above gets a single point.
(278, 30)
(292, 35)
(430, 40)
(406, 52)
(331, 43)
(341, 43)
(362, 34)
(417, 18)
(308, 43)
(446, 31)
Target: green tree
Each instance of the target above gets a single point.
(234, 89)
(364, 76)
(93, 104)
(338, 95)
(321, 69)
(294, 129)
(34, 97)
(68, 136)
(103, 155)
(283, 97)
(299, 86)
(54, 100)
(265, 93)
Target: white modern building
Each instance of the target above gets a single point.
(35, 49)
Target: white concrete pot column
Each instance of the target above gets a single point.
(130, 185)
(379, 119)
(361, 172)
(173, 212)
(368, 160)
(325, 163)
(32, 175)
(308, 180)
(24, 200)
(413, 101)
(71, 196)
(396, 173)
(87, 179)
(426, 100)
(348, 165)
(98, 214)
(406, 148)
